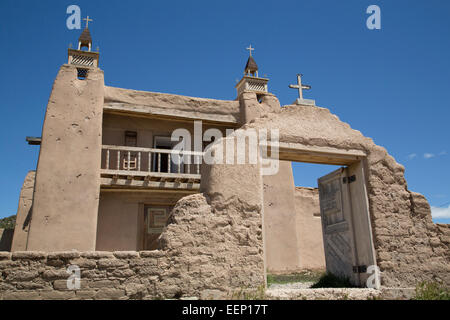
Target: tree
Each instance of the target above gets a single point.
(8, 222)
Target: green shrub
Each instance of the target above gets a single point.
(8, 222)
(431, 291)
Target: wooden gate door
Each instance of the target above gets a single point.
(335, 212)
(347, 233)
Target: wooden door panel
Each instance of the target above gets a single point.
(361, 219)
(347, 233)
(337, 230)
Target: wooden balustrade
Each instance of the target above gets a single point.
(123, 158)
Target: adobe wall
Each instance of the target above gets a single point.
(280, 221)
(251, 108)
(23, 215)
(409, 247)
(34, 275)
(309, 228)
(205, 252)
(117, 226)
(68, 172)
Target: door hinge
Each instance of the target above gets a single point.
(349, 179)
(360, 269)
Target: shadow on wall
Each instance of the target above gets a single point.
(6, 236)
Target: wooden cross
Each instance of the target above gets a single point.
(87, 21)
(299, 86)
(250, 49)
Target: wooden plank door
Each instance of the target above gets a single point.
(362, 226)
(338, 236)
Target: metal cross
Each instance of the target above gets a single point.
(299, 86)
(250, 49)
(87, 21)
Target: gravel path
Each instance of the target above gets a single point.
(302, 290)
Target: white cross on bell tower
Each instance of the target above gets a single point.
(87, 21)
(250, 49)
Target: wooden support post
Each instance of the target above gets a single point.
(139, 161)
(159, 162)
(107, 159)
(168, 162)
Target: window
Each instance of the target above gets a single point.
(131, 138)
(155, 220)
(82, 73)
(161, 160)
(130, 163)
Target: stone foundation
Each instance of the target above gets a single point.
(110, 275)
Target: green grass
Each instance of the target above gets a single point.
(8, 222)
(329, 280)
(431, 291)
(305, 276)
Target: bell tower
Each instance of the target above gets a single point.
(67, 187)
(84, 58)
(250, 81)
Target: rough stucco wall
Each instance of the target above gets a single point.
(309, 228)
(19, 242)
(409, 247)
(68, 172)
(282, 251)
(172, 102)
(234, 194)
(251, 108)
(218, 245)
(33, 275)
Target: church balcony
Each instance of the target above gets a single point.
(149, 168)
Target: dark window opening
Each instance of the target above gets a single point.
(161, 159)
(131, 138)
(130, 163)
(82, 73)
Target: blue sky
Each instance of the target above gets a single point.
(391, 84)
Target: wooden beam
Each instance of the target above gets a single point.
(313, 154)
(109, 182)
(126, 173)
(158, 113)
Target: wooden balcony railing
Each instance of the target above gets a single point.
(150, 164)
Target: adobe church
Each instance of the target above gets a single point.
(106, 185)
